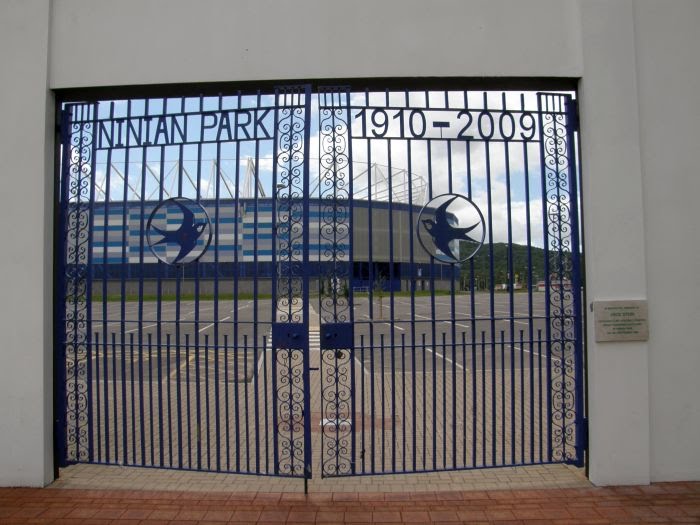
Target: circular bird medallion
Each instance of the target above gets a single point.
(178, 231)
(451, 228)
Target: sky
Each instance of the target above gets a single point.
(436, 136)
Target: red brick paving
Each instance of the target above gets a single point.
(657, 503)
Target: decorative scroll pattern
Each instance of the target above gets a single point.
(335, 179)
(336, 370)
(335, 176)
(290, 282)
(76, 183)
(558, 231)
(290, 208)
(290, 411)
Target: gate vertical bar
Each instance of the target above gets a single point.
(141, 284)
(576, 284)
(88, 294)
(547, 290)
(308, 471)
(60, 403)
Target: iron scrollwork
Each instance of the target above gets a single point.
(289, 210)
(290, 363)
(290, 393)
(335, 289)
(336, 400)
(560, 249)
(334, 214)
(76, 184)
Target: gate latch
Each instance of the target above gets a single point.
(289, 335)
(336, 336)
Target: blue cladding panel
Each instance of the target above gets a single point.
(250, 231)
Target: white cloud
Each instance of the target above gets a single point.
(465, 164)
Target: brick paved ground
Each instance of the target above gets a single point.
(658, 503)
(83, 476)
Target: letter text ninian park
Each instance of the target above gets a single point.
(186, 128)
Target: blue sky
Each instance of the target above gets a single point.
(421, 115)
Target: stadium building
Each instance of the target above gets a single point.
(241, 241)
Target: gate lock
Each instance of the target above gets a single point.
(336, 336)
(289, 335)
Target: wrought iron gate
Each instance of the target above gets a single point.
(404, 296)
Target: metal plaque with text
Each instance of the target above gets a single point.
(621, 321)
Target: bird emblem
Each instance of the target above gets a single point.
(186, 235)
(443, 233)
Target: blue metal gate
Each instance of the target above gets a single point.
(454, 337)
(388, 278)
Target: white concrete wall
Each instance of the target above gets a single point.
(614, 229)
(26, 176)
(668, 80)
(639, 79)
(162, 41)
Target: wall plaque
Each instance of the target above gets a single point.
(620, 321)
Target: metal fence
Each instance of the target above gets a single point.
(320, 280)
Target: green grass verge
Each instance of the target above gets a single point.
(149, 298)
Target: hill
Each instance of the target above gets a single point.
(508, 264)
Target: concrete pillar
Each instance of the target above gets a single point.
(26, 150)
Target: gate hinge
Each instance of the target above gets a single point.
(62, 120)
(572, 114)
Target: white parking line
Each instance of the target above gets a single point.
(212, 324)
(445, 358)
(516, 347)
(268, 347)
(364, 368)
(142, 327)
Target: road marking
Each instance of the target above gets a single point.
(142, 327)
(429, 349)
(267, 347)
(212, 324)
(515, 347)
(362, 365)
